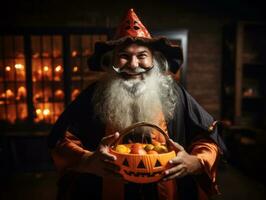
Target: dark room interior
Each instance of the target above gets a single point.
(44, 47)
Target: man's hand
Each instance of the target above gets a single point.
(183, 164)
(100, 162)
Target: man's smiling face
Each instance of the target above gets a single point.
(133, 61)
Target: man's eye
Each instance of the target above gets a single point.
(142, 56)
(123, 56)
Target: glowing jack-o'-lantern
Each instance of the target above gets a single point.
(145, 168)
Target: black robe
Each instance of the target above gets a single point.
(190, 122)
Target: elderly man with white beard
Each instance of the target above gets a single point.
(137, 87)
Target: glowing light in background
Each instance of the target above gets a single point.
(19, 66)
(75, 93)
(8, 68)
(41, 114)
(9, 93)
(58, 68)
(59, 94)
(45, 68)
(74, 53)
(21, 92)
(46, 112)
(75, 69)
(38, 111)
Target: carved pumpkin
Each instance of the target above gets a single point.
(142, 168)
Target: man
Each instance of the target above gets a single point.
(138, 86)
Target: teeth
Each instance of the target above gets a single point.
(142, 174)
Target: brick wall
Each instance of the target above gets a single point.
(204, 64)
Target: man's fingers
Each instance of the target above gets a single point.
(179, 174)
(105, 155)
(176, 146)
(108, 140)
(176, 160)
(173, 170)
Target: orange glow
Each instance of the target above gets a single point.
(22, 91)
(75, 69)
(74, 53)
(58, 68)
(59, 94)
(36, 55)
(39, 71)
(9, 93)
(8, 68)
(75, 93)
(45, 54)
(38, 97)
(3, 95)
(38, 111)
(56, 53)
(46, 112)
(46, 68)
(19, 66)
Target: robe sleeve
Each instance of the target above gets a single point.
(67, 152)
(204, 141)
(65, 138)
(208, 153)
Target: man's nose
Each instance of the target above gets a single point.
(134, 62)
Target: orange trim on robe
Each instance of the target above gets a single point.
(207, 152)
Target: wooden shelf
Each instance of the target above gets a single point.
(248, 68)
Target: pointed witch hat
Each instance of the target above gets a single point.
(131, 30)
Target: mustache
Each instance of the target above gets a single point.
(126, 70)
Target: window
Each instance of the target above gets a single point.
(13, 90)
(41, 71)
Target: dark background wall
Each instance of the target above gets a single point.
(203, 19)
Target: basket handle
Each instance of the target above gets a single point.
(139, 124)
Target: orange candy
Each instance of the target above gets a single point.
(152, 152)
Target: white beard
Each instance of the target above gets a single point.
(121, 103)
